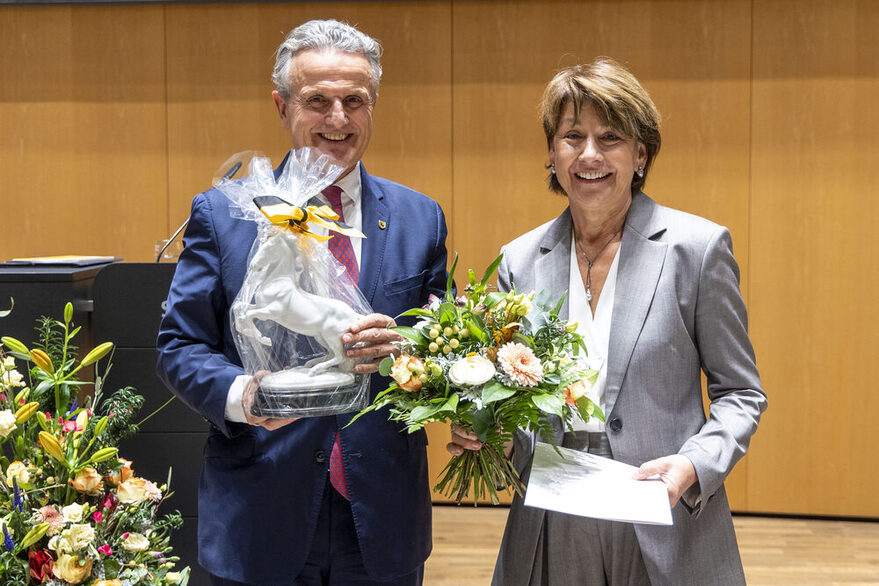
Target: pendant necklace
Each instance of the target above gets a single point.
(591, 261)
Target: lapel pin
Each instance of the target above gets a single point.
(382, 224)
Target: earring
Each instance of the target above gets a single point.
(552, 169)
(640, 172)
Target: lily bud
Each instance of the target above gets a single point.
(51, 445)
(68, 312)
(103, 454)
(42, 360)
(101, 426)
(14, 345)
(26, 412)
(97, 353)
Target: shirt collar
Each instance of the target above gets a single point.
(350, 184)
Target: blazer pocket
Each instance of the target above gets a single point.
(405, 285)
(240, 448)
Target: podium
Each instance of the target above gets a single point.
(129, 301)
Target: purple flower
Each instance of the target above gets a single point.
(7, 540)
(16, 496)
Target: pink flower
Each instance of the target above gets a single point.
(51, 515)
(520, 364)
(125, 535)
(48, 416)
(98, 516)
(105, 549)
(110, 502)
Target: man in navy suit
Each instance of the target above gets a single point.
(267, 512)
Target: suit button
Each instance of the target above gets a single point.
(616, 424)
(320, 456)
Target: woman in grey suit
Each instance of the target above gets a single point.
(656, 295)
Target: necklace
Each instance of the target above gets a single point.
(591, 261)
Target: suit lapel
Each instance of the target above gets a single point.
(373, 209)
(641, 261)
(552, 268)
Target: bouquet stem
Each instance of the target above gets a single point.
(486, 470)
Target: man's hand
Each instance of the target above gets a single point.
(374, 339)
(247, 400)
(675, 471)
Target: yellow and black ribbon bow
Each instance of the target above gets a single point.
(284, 214)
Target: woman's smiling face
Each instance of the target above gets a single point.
(593, 162)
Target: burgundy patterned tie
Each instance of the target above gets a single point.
(340, 246)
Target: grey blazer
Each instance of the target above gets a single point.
(677, 312)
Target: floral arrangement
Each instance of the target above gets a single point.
(71, 510)
(491, 362)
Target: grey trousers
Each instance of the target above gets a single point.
(574, 550)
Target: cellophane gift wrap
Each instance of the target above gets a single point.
(297, 299)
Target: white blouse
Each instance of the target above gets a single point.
(595, 330)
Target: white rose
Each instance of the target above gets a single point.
(72, 513)
(136, 542)
(472, 370)
(7, 422)
(78, 536)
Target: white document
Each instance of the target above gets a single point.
(578, 483)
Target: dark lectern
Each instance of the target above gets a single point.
(129, 300)
(43, 290)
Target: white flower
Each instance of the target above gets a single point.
(72, 513)
(7, 422)
(75, 538)
(472, 370)
(12, 378)
(8, 363)
(136, 542)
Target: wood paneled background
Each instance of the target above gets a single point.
(113, 117)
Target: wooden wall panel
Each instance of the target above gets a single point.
(219, 91)
(82, 108)
(693, 57)
(814, 270)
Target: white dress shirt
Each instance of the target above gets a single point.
(595, 330)
(352, 191)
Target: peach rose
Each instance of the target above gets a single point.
(136, 490)
(405, 372)
(88, 481)
(574, 391)
(117, 477)
(19, 471)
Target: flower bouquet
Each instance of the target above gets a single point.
(71, 510)
(491, 362)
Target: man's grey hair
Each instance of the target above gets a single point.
(325, 34)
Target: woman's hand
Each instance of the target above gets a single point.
(462, 440)
(467, 440)
(375, 339)
(675, 471)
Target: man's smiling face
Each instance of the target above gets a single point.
(331, 103)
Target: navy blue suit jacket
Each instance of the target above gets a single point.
(260, 490)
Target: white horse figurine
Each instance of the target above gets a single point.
(281, 299)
